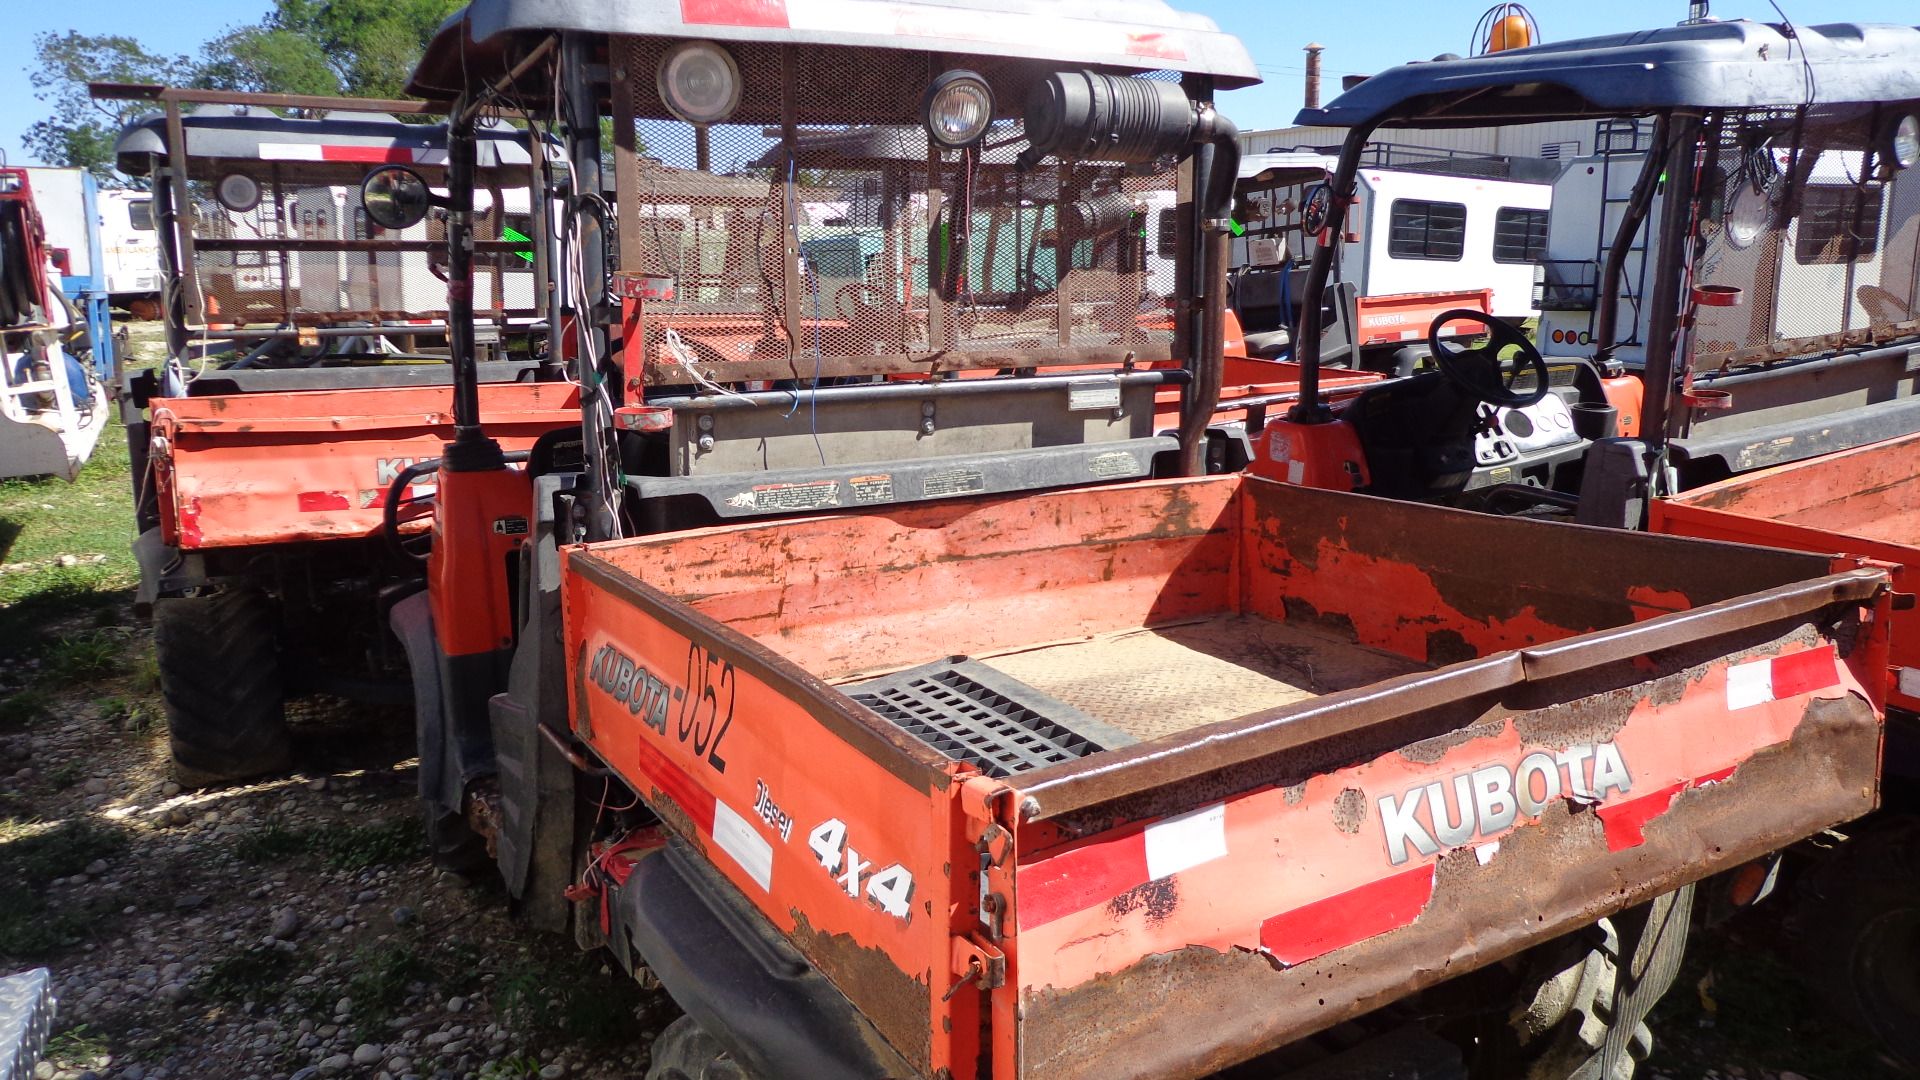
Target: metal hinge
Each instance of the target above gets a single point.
(978, 963)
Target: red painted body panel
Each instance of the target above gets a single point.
(1864, 502)
(272, 468)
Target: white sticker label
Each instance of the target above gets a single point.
(1749, 684)
(1296, 472)
(736, 836)
(1083, 397)
(1181, 843)
(1910, 681)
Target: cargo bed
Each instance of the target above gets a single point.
(1200, 743)
(1864, 502)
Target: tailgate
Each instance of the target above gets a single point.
(1863, 502)
(1326, 858)
(271, 468)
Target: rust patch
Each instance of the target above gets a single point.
(1158, 898)
(1448, 647)
(1349, 810)
(1428, 751)
(898, 1004)
(1294, 793)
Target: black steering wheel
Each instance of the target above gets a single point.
(1479, 369)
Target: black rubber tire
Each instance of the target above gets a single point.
(1863, 933)
(684, 1051)
(455, 846)
(219, 659)
(1572, 996)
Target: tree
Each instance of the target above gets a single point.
(81, 131)
(362, 48)
(266, 59)
(370, 45)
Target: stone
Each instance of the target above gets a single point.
(398, 1064)
(169, 789)
(404, 916)
(456, 1004)
(368, 1054)
(96, 867)
(286, 922)
(189, 901)
(553, 1072)
(338, 1063)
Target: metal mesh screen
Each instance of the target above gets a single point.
(1823, 253)
(803, 243)
(307, 255)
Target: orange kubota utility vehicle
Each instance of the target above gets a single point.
(945, 726)
(1758, 267)
(305, 378)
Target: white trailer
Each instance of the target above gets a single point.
(1823, 275)
(130, 251)
(1412, 228)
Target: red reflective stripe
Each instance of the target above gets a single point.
(372, 155)
(1625, 821)
(1294, 937)
(671, 779)
(1804, 672)
(735, 12)
(1076, 880)
(314, 501)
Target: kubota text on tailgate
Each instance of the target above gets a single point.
(701, 709)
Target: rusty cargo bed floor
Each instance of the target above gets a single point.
(1156, 681)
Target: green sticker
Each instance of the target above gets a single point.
(513, 235)
(1238, 229)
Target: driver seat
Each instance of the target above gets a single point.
(1417, 434)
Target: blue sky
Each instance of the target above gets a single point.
(1360, 35)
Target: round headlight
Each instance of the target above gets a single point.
(959, 108)
(699, 82)
(238, 192)
(1903, 142)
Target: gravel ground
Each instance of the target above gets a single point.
(289, 928)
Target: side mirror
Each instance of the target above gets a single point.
(396, 197)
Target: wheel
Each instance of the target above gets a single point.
(220, 681)
(1580, 1003)
(1863, 936)
(684, 1051)
(456, 847)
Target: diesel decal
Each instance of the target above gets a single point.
(1486, 801)
(770, 812)
(644, 694)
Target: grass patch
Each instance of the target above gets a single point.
(567, 996)
(343, 847)
(43, 519)
(21, 708)
(88, 654)
(381, 977)
(31, 928)
(134, 715)
(255, 973)
(519, 1067)
(78, 1047)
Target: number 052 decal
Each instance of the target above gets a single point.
(891, 889)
